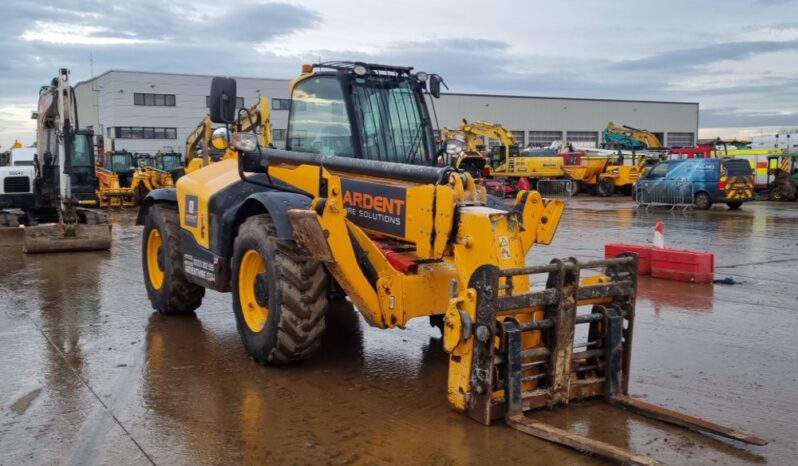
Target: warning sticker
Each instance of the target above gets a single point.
(504, 244)
(375, 206)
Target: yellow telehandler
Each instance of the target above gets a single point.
(347, 209)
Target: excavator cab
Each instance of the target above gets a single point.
(498, 154)
(83, 178)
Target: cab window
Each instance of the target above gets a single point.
(659, 170)
(318, 122)
(81, 153)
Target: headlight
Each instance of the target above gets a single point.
(220, 138)
(360, 70)
(245, 142)
(453, 147)
(422, 76)
(615, 172)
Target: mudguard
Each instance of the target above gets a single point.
(274, 203)
(154, 197)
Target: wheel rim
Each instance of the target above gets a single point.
(155, 259)
(253, 290)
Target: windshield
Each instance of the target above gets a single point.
(318, 122)
(81, 153)
(392, 127)
(169, 162)
(121, 162)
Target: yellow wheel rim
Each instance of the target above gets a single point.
(155, 266)
(249, 274)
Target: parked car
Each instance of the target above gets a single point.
(715, 180)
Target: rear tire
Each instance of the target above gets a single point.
(605, 187)
(279, 297)
(734, 205)
(169, 290)
(702, 201)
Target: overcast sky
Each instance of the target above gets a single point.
(737, 58)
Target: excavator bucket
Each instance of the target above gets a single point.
(63, 238)
(510, 379)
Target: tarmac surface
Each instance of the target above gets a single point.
(91, 375)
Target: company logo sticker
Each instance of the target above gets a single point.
(376, 206)
(192, 211)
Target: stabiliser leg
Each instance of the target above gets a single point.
(561, 370)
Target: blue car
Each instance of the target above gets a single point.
(706, 181)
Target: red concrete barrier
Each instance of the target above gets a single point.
(643, 251)
(683, 265)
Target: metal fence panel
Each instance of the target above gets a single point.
(555, 189)
(674, 193)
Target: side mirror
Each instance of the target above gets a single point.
(223, 100)
(435, 85)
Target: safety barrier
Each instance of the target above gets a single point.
(555, 189)
(673, 193)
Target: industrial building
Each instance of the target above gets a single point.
(151, 111)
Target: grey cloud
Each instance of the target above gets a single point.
(262, 21)
(674, 60)
(158, 20)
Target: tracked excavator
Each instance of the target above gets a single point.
(347, 209)
(626, 137)
(509, 169)
(53, 207)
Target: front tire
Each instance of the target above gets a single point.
(169, 290)
(279, 297)
(605, 187)
(702, 201)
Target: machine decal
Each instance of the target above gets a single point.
(375, 206)
(198, 267)
(192, 209)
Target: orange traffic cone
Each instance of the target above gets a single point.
(659, 235)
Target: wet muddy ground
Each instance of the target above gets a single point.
(90, 375)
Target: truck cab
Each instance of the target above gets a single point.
(16, 179)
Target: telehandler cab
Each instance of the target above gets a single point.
(344, 208)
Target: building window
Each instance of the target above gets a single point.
(544, 138)
(518, 136)
(583, 138)
(239, 102)
(681, 139)
(281, 104)
(278, 134)
(154, 100)
(125, 132)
